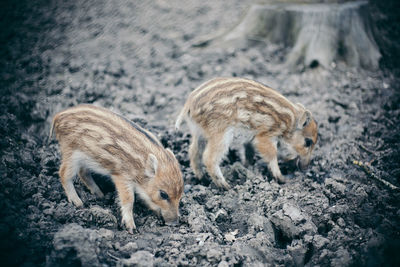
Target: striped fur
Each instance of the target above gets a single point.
(219, 108)
(95, 139)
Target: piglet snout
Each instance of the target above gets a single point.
(302, 163)
(171, 220)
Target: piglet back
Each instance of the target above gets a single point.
(113, 140)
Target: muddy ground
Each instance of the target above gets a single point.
(137, 58)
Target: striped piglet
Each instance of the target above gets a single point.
(222, 108)
(98, 140)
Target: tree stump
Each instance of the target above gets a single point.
(316, 33)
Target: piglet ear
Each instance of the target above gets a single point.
(151, 166)
(304, 117)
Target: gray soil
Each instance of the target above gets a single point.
(137, 58)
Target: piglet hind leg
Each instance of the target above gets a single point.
(215, 149)
(126, 199)
(87, 178)
(67, 175)
(247, 154)
(195, 150)
(268, 151)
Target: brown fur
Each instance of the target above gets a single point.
(219, 107)
(98, 140)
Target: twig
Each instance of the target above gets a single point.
(367, 149)
(389, 121)
(113, 257)
(337, 102)
(368, 169)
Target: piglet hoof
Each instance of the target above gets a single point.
(281, 180)
(99, 194)
(77, 202)
(130, 226)
(223, 184)
(132, 231)
(172, 223)
(199, 174)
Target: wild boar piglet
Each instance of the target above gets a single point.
(222, 108)
(94, 139)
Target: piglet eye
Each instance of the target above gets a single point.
(308, 142)
(164, 195)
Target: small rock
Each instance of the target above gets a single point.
(63, 212)
(197, 218)
(293, 212)
(337, 188)
(285, 225)
(199, 193)
(130, 246)
(140, 258)
(324, 254)
(292, 222)
(221, 216)
(48, 211)
(231, 236)
(320, 242)
(338, 209)
(100, 216)
(40, 113)
(214, 254)
(183, 231)
(73, 243)
(298, 254)
(342, 258)
(75, 65)
(257, 221)
(246, 196)
(187, 188)
(106, 233)
(202, 238)
(341, 222)
(361, 193)
(115, 69)
(48, 160)
(210, 204)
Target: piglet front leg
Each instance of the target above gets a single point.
(268, 151)
(126, 199)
